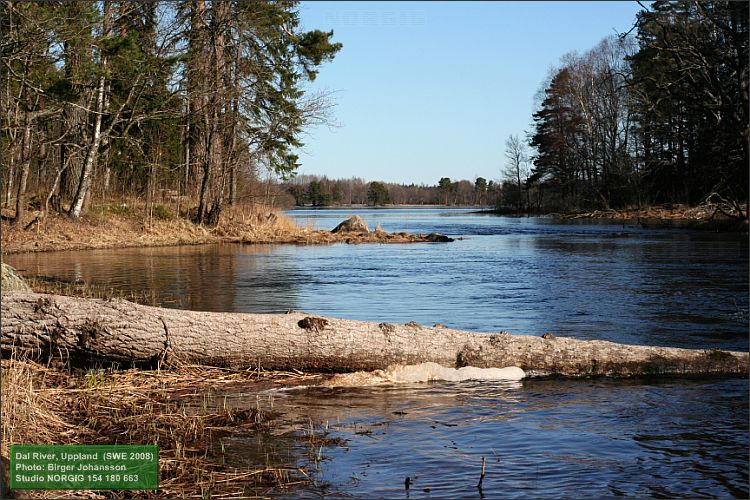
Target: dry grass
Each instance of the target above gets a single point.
(43, 405)
(11, 280)
(89, 290)
(120, 225)
(711, 209)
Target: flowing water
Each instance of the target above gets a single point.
(590, 438)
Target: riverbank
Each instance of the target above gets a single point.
(707, 216)
(182, 410)
(125, 225)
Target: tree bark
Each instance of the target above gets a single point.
(25, 166)
(90, 331)
(197, 94)
(84, 184)
(102, 100)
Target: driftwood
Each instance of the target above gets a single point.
(96, 330)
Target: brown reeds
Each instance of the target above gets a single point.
(46, 405)
(128, 224)
(709, 210)
(125, 224)
(88, 290)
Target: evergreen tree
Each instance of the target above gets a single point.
(377, 194)
(317, 194)
(447, 187)
(556, 139)
(690, 77)
(138, 97)
(480, 189)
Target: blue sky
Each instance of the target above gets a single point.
(425, 90)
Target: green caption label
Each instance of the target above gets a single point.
(84, 467)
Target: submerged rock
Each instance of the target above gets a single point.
(354, 224)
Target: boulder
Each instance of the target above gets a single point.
(12, 281)
(438, 238)
(354, 224)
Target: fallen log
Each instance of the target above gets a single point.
(95, 330)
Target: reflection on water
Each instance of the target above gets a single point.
(670, 287)
(248, 278)
(541, 438)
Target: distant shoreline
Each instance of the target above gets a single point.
(702, 217)
(104, 229)
(127, 227)
(359, 206)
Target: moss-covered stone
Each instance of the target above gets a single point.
(12, 281)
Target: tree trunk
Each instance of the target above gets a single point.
(74, 122)
(84, 184)
(93, 330)
(25, 166)
(102, 100)
(197, 93)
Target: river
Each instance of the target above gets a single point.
(540, 438)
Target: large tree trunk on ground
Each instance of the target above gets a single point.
(120, 331)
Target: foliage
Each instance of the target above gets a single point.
(690, 80)
(299, 194)
(377, 194)
(162, 212)
(448, 188)
(130, 98)
(656, 119)
(317, 195)
(357, 191)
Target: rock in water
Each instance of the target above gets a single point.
(354, 224)
(438, 238)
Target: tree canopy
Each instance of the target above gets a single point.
(377, 194)
(659, 117)
(185, 96)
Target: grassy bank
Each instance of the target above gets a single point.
(714, 216)
(47, 405)
(120, 225)
(709, 215)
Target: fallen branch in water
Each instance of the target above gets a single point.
(88, 331)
